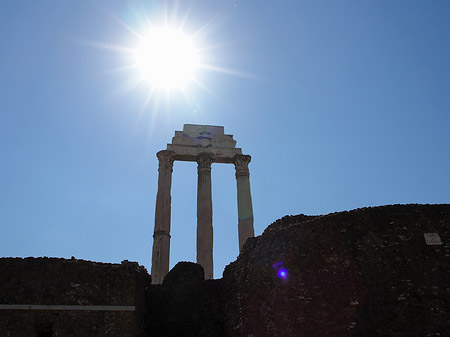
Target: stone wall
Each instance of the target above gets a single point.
(186, 305)
(51, 281)
(367, 272)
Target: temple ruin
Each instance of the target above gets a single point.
(204, 144)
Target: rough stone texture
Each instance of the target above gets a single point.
(52, 281)
(36, 323)
(367, 272)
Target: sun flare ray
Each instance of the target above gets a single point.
(205, 88)
(167, 55)
(107, 46)
(123, 24)
(224, 70)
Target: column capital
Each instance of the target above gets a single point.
(241, 162)
(166, 159)
(205, 160)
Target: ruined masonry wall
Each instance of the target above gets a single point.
(53, 281)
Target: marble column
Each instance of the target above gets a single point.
(161, 235)
(204, 215)
(244, 199)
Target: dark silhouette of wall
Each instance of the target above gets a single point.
(367, 272)
(52, 281)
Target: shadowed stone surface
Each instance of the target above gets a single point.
(185, 304)
(52, 281)
(185, 273)
(367, 272)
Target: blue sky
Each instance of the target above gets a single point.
(341, 104)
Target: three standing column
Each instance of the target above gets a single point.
(161, 242)
(161, 235)
(204, 214)
(244, 199)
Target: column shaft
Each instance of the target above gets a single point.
(161, 236)
(244, 199)
(204, 215)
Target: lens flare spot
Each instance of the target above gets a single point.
(282, 273)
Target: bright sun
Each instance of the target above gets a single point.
(172, 61)
(166, 58)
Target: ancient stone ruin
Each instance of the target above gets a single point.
(381, 271)
(204, 144)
